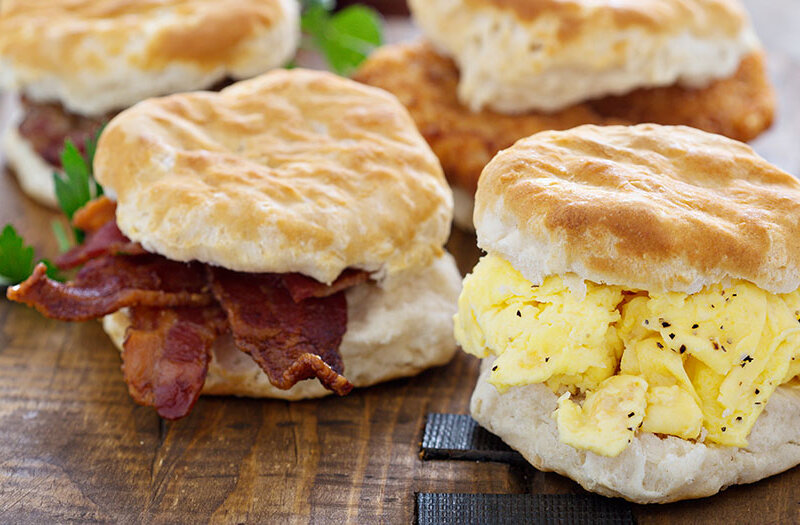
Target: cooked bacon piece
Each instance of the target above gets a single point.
(166, 353)
(108, 283)
(108, 240)
(301, 287)
(291, 341)
(98, 220)
(95, 214)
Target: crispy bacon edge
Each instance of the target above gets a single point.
(290, 340)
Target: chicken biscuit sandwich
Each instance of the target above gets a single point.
(289, 227)
(497, 71)
(638, 310)
(76, 63)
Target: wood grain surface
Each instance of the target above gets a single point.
(75, 448)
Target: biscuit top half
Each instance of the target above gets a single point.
(293, 171)
(649, 207)
(94, 56)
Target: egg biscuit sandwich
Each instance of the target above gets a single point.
(74, 64)
(638, 310)
(289, 227)
(490, 72)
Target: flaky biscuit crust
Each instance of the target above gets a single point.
(99, 55)
(740, 107)
(649, 207)
(293, 171)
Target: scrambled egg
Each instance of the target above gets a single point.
(698, 366)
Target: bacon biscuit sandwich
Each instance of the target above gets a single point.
(76, 63)
(289, 227)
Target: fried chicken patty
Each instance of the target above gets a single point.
(740, 107)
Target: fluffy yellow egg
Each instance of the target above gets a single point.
(706, 360)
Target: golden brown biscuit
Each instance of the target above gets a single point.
(740, 107)
(545, 55)
(657, 208)
(98, 55)
(293, 171)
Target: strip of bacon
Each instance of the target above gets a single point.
(95, 214)
(291, 341)
(108, 284)
(166, 354)
(302, 287)
(106, 240)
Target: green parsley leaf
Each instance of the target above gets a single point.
(76, 186)
(16, 258)
(63, 240)
(73, 188)
(345, 38)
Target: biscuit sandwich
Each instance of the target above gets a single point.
(288, 227)
(74, 64)
(638, 310)
(491, 72)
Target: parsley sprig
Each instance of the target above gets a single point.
(17, 259)
(74, 188)
(345, 38)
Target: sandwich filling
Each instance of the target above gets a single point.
(700, 367)
(290, 324)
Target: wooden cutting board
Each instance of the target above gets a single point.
(74, 447)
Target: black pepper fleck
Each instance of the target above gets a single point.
(695, 326)
(659, 345)
(682, 349)
(758, 391)
(738, 418)
(665, 324)
(494, 368)
(672, 336)
(724, 429)
(632, 414)
(519, 314)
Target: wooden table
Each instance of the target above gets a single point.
(74, 447)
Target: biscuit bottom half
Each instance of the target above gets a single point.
(654, 468)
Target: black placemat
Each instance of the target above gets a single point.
(572, 509)
(457, 436)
